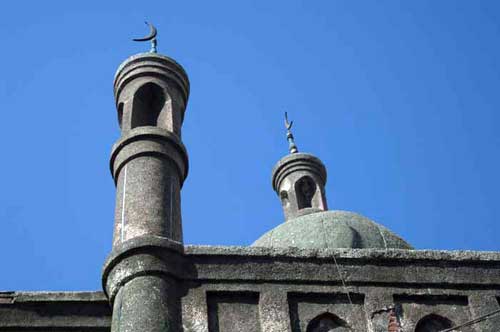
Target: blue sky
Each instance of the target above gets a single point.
(398, 98)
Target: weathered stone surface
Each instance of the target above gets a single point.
(459, 256)
(284, 289)
(428, 312)
(149, 164)
(274, 310)
(417, 283)
(151, 70)
(482, 303)
(233, 312)
(141, 256)
(332, 310)
(147, 303)
(149, 141)
(50, 311)
(299, 180)
(331, 229)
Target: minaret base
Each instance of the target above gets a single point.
(140, 278)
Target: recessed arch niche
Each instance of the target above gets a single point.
(433, 323)
(305, 188)
(327, 322)
(148, 102)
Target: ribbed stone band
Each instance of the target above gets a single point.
(297, 162)
(147, 141)
(142, 256)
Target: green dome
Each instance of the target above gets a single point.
(331, 229)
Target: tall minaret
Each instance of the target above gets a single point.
(299, 180)
(149, 165)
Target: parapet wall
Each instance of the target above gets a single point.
(292, 290)
(250, 289)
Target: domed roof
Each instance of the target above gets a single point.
(331, 229)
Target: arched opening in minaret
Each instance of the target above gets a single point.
(327, 322)
(120, 114)
(304, 190)
(433, 323)
(148, 102)
(284, 198)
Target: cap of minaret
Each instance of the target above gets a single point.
(299, 181)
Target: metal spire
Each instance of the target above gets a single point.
(152, 37)
(289, 136)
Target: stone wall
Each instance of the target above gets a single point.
(292, 290)
(236, 289)
(54, 311)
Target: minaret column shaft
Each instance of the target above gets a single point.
(149, 166)
(142, 276)
(147, 309)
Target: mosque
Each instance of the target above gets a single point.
(319, 270)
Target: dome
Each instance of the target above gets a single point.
(331, 229)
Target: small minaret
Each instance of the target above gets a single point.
(149, 165)
(299, 180)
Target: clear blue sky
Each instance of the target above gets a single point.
(398, 98)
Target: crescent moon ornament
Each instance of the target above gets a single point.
(152, 37)
(288, 125)
(292, 147)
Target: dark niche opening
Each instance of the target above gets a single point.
(284, 198)
(305, 189)
(327, 322)
(149, 100)
(433, 323)
(120, 114)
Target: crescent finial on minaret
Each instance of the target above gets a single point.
(292, 147)
(152, 37)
